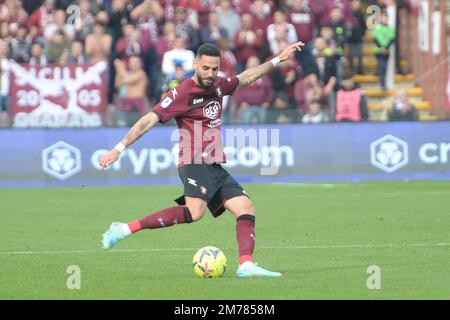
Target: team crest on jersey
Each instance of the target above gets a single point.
(219, 92)
(211, 110)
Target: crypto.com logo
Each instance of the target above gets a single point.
(389, 153)
(61, 160)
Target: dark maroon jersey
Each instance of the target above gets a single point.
(198, 113)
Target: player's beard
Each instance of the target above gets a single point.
(203, 84)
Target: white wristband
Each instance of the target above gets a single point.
(120, 147)
(275, 61)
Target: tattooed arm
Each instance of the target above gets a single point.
(251, 75)
(143, 125)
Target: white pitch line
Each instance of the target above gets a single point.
(349, 246)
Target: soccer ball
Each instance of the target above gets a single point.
(209, 262)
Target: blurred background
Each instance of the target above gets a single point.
(370, 70)
(363, 60)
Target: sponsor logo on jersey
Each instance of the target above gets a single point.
(211, 110)
(214, 123)
(197, 101)
(166, 102)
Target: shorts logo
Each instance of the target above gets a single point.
(203, 190)
(61, 160)
(193, 182)
(389, 153)
(211, 110)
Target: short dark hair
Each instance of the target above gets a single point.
(348, 75)
(208, 49)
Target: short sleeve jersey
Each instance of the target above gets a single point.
(198, 113)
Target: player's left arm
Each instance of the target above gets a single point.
(251, 75)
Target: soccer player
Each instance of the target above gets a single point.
(196, 105)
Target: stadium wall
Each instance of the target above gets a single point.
(288, 153)
(423, 42)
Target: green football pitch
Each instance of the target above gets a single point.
(330, 241)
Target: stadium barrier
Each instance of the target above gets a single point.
(296, 153)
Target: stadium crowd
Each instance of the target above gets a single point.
(149, 46)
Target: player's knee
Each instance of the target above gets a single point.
(247, 209)
(196, 213)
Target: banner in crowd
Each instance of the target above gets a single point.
(447, 91)
(58, 95)
(287, 153)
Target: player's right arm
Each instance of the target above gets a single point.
(251, 75)
(143, 125)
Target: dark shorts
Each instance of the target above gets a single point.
(211, 183)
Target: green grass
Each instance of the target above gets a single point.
(322, 237)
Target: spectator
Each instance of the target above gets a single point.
(98, 44)
(118, 18)
(314, 114)
(4, 78)
(281, 110)
(148, 16)
(285, 74)
(186, 30)
(358, 31)
(179, 55)
(12, 12)
(166, 40)
(280, 30)
(103, 18)
(242, 6)
(213, 31)
(301, 16)
(83, 25)
(21, 45)
(327, 33)
(351, 102)
(324, 66)
(4, 32)
(133, 43)
(60, 45)
(247, 41)
(251, 103)
(308, 89)
(228, 18)
(340, 36)
(261, 12)
(170, 83)
(37, 55)
(384, 37)
(340, 31)
(322, 10)
(58, 26)
(192, 9)
(40, 18)
(76, 55)
(402, 108)
(132, 85)
(227, 59)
